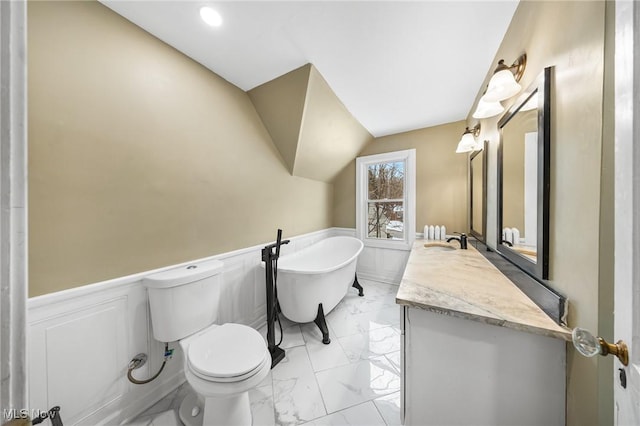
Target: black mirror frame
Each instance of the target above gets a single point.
(480, 237)
(539, 269)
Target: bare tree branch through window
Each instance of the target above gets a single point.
(385, 187)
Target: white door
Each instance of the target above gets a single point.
(627, 211)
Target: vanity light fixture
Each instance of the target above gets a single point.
(504, 82)
(210, 16)
(487, 109)
(468, 141)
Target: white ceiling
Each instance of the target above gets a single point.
(396, 66)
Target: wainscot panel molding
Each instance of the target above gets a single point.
(376, 263)
(382, 264)
(81, 340)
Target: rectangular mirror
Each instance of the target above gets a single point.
(523, 179)
(478, 189)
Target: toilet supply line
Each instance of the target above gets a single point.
(141, 359)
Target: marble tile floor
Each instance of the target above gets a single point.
(355, 380)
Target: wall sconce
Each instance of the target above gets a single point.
(487, 109)
(468, 141)
(504, 82)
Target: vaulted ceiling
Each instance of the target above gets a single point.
(396, 66)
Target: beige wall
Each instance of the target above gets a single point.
(607, 202)
(315, 133)
(344, 197)
(141, 158)
(280, 104)
(330, 137)
(569, 36)
(441, 177)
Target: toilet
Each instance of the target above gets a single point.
(221, 362)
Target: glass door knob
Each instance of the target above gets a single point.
(589, 345)
(585, 342)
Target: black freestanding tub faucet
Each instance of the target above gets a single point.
(270, 255)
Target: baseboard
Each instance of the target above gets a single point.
(259, 322)
(131, 410)
(378, 278)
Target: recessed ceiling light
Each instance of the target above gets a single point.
(210, 16)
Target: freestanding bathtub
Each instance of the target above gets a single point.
(312, 281)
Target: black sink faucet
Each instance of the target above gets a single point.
(462, 239)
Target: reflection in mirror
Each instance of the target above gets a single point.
(519, 187)
(478, 184)
(523, 180)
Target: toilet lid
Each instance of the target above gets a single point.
(227, 351)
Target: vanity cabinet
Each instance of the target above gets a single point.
(475, 349)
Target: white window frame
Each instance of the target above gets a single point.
(362, 163)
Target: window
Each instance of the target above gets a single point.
(385, 192)
(385, 200)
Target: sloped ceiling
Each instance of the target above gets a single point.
(315, 134)
(396, 65)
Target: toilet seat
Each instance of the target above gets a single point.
(227, 353)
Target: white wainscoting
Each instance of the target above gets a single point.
(81, 340)
(80, 343)
(379, 264)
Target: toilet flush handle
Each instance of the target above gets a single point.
(589, 345)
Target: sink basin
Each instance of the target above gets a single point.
(439, 247)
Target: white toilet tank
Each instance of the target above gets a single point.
(184, 300)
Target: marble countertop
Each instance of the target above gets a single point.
(464, 284)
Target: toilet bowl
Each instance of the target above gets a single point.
(221, 362)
